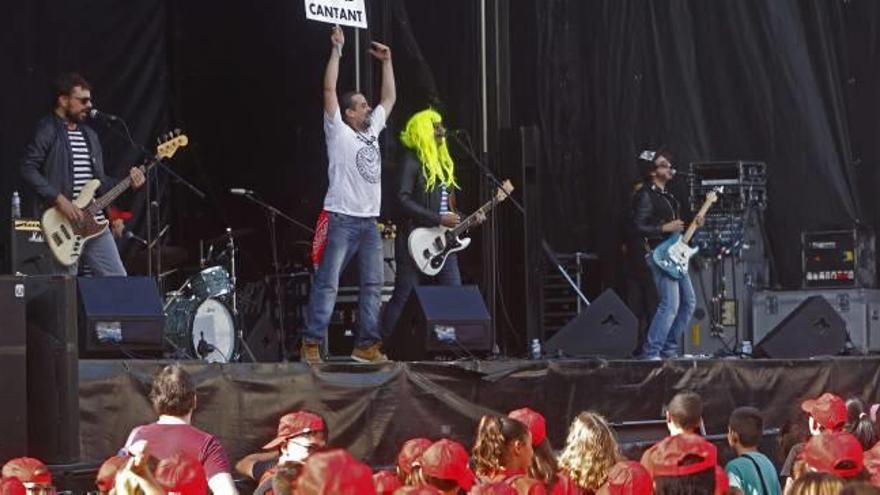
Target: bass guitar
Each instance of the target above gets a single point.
(673, 255)
(67, 239)
(430, 246)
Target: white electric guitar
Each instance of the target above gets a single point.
(430, 246)
(67, 239)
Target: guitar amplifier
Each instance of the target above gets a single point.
(839, 258)
(28, 252)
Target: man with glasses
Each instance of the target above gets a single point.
(62, 157)
(657, 215)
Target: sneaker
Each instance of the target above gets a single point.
(369, 354)
(310, 353)
(649, 358)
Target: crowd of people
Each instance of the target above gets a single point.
(833, 450)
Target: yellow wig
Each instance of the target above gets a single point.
(437, 165)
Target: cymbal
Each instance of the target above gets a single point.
(244, 231)
(172, 257)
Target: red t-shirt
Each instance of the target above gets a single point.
(565, 486)
(165, 440)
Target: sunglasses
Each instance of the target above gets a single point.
(83, 99)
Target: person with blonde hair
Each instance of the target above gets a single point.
(503, 453)
(816, 483)
(590, 452)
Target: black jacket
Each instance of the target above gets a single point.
(651, 209)
(417, 207)
(47, 167)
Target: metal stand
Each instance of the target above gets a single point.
(239, 328)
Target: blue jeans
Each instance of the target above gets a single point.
(674, 311)
(348, 236)
(407, 277)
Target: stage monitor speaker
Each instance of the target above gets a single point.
(605, 328)
(52, 369)
(813, 329)
(120, 315)
(13, 365)
(442, 320)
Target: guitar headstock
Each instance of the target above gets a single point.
(504, 191)
(712, 196)
(169, 143)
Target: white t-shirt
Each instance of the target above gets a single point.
(355, 168)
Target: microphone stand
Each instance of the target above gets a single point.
(271, 214)
(468, 149)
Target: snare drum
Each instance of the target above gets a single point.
(210, 282)
(190, 320)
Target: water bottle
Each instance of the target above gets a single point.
(16, 205)
(536, 349)
(747, 347)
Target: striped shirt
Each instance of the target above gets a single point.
(82, 163)
(444, 199)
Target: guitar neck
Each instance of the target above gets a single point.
(123, 185)
(692, 228)
(472, 218)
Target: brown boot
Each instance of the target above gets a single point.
(370, 354)
(310, 352)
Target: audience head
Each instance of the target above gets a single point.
(173, 392)
(31, 472)
(444, 465)
(334, 472)
(827, 413)
(684, 413)
(745, 428)
(627, 478)
(817, 484)
(860, 488)
(590, 451)
(860, 424)
(871, 459)
(838, 453)
(386, 482)
(106, 478)
(182, 474)
(502, 443)
(684, 463)
(410, 452)
(300, 434)
(544, 465)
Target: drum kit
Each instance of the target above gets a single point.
(201, 317)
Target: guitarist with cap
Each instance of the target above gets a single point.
(425, 198)
(657, 216)
(63, 155)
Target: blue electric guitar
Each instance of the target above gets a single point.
(674, 254)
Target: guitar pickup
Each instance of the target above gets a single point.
(65, 231)
(438, 243)
(57, 239)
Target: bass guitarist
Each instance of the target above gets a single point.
(61, 157)
(425, 198)
(657, 215)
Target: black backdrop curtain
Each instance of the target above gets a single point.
(791, 83)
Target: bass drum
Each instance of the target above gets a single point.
(190, 321)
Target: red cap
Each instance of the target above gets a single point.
(117, 214)
(665, 458)
(335, 472)
(722, 482)
(106, 478)
(828, 410)
(627, 478)
(410, 452)
(28, 470)
(385, 482)
(418, 490)
(497, 488)
(182, 474)
(295, 424)
(12, 486)
(835, 452)
(448, 460)
(534, 420)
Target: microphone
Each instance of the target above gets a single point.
(204, 348)
(684, 174)
(455, 132)
(239, 191)
(131, 235)
(99, 115)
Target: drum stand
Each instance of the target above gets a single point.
(239, 330)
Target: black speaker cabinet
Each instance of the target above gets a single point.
(441, 320)
(120, 315)
(52, 369)
(606, 328)
(813, 329)
(28, 252)
(13, 366)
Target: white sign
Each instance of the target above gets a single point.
(343, 12)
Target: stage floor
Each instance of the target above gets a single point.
(372, 409)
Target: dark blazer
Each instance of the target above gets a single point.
(651, 209)
(47, 167)
(417, 207)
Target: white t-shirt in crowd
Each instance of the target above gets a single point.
(355, 168)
